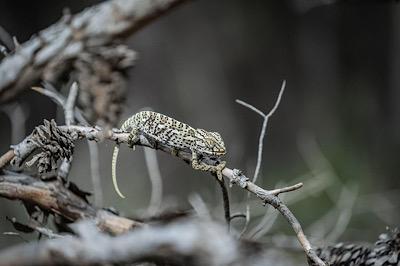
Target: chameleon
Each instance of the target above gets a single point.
(177, 135)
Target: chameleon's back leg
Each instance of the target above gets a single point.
(133, 138)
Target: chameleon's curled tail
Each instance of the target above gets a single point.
(114, 171)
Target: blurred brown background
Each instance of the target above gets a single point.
(342, 99)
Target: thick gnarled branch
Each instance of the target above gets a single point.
(87, 46)
(54, 196)
(42, 56)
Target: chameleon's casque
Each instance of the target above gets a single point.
(177, 135)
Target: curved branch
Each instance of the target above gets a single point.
(271, 197)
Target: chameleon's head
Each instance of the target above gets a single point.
(210, 143)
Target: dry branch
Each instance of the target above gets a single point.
(271, 197)
(99, 25)
(187, 242)
(54, 196)
(69, 120)
(88, 46)
(27, 147)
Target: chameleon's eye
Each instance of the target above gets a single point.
(210, 142)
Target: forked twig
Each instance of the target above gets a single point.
(260, 142)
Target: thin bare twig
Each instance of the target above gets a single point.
(34, 226)
(236, 177)
(264, 127)
(382, 204)
(155, 179)
(331, 226)
(70, 104)
(260, 142)
(314, 158)
(251, 107)
(60, 100)
(199, 206)
(50, 92)
(266, 222)
(314, 186)
(264, 225)
(225, 201)
(6, 39)
(68, 107)
(278, 100)
(95, 173)
(17, 116)
(286, 189)
(17, 235)
(16, 43)
(344, 212)
(3, 51)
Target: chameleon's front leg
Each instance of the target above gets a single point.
(133, 138)
(206, 167)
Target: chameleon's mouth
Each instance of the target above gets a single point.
(215, 154)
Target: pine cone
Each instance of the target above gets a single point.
(54, 145)
(385, 252)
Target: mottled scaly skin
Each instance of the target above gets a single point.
(175, 134)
